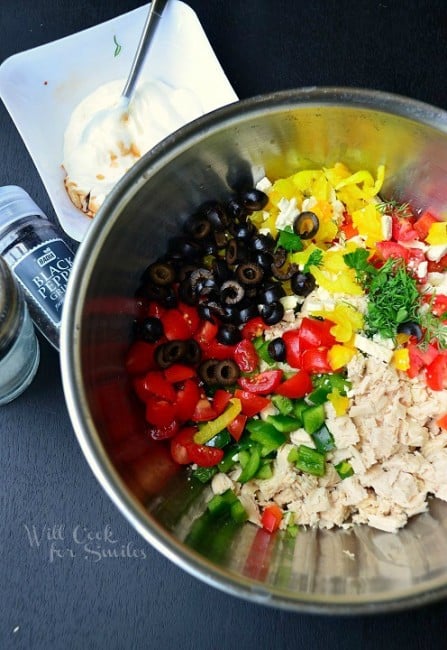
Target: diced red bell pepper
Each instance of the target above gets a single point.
(245, 356)
(271, 518)
(263, 383)
(156, 384)
(156, 310)
(163, 432)
(315, 360)
(347, 227)
(179, 373)
(297, 386)
(190, 316)
(402, 229)
(291, 340)
(206, 333)
(176, 327)
(236, 428)
(423, 223)
(220, 400)
(251, 404)
(315, 333)
(160, 412)
(140, 358)
(187, 397)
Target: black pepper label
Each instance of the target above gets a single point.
(44, 273)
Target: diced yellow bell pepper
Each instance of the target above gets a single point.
(368, 222)
(339, 402)
(437, 234)
(340, 355)
(344, 282)
(401, 359)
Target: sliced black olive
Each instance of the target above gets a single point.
(236, 251)
(205, 312)
(207, 371)
(229, 334)
(244, 230)
(185, 271)
(220, 237)
(197, 226)
(184, 249)
(272, 313)
(202, 281)
(227, 372)
(221, 270)
(236, 210)
(231, 292)
(411, 328)
(279, 257)
(306, 225)
(161, 273)
(193, 353)
(277, 349)
(271, 292)
(247, 310)
(151, 329)
(254, 199)
(264, 260)
(285, 273)
(186, 292)
(249, 273)
(262, 243)
(171, 352)
(231, 313)
(164, 295)
(216, 214)
(302, 283)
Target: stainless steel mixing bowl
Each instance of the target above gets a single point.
(337, 571)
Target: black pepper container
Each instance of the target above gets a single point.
(39, 257)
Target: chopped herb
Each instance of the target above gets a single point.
(434, 326)
(393, 299)
(289, 240)
(118, 47)
(358, 260)
(402, 209)
(315, 259)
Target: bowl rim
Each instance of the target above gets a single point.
(77, 405)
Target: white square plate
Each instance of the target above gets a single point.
(41, 87)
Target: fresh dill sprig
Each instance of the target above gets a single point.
(435, 328)
(315, 259)
(401, 209)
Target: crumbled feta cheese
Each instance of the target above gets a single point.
(287, 213)
(387, 226)
(434, 253)
(289, 302)
(264, 184)
(372, 348)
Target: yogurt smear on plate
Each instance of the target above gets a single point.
(105, 136)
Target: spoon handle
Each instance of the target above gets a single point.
(152, 20)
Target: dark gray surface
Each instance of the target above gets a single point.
(72, 599)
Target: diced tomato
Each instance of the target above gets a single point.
(439, 305)
(216, 350)
(184, 450)
(220, 400)
(419, 358)
(253, 328)
(315, 333)
(315, 360)
(178, 373)
(236, 428)
(191, 316)
(203, 411)
(402, 229)
(291, 340)
(271, 518)
(140, 358)
(156, 310)
(175, 325)
(206, 333)
(436, 374)
(437, 267)
(387, 249)
(297, 386)
(262, 383)
(181, 444)
(251, 404)
(423, 224)
(159, 412)
(246, 356)
(187, 397)
(156, 383)
(347, 227)
(164, 432)
(442, 421)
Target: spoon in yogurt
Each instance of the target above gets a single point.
(153, 18)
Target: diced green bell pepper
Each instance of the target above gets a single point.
(292, 456)
(266, 435)
(318, 396)
(344, 469)
(251, 466)
(313, 418)
(284, 423)
(221, 503)
(238, 512)
(310, 461)
(261, 347)
(265, 470)
(204, 474)
(299, 406)
(227, 461)
(283, 404)
(323, 439)
(220, 440)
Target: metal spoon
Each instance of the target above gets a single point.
(153, 18)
